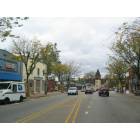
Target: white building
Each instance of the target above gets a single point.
(36, 79)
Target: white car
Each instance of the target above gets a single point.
(73, 91)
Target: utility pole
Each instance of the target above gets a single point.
(46, 81)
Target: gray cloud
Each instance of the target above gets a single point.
(83, 40)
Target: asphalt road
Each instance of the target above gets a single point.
(83, 108)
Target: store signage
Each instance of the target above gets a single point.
(38, 78)
(8, 66)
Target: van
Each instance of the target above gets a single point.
(12, 91)
(89, 89)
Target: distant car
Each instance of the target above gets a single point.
(83, 89)
(89, 89)
(104, 92)
(73, 91)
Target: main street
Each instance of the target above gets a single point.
(83, 108)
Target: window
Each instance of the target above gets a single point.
(20, 87)
(38, 71)
(43, 72)
(14, 88)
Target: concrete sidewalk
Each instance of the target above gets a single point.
(54, 93)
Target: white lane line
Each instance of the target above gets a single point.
(86, 113)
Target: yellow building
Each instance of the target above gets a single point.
(97, 84)
(36, 79)
(97, 80)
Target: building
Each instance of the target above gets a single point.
(97, 80)
(36, 79)
(13, 70)
(10, 69)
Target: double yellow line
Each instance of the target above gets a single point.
(74, 112)
(37, 114)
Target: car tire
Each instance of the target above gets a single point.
(6, 101)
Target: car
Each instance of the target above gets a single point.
(104, 92)
(73, 91)
(89, 89)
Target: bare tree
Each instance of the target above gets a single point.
(73, 70)
(28, 52)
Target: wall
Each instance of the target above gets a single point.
(10, 69)
(36, 80)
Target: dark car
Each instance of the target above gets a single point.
(104, 92)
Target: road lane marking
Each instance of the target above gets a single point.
(76, 112)
(86, 112)
(37, 114)
(71, 112)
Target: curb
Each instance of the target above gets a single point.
(48, 95)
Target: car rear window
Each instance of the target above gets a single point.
(72, 88)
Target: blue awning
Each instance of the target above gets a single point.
(10, 76)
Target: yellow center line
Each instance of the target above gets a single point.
(74, 112)
(35, 115)
(71, 112)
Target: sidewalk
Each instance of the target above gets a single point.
(127, 94)
(54, 93)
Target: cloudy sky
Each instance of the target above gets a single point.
(86, 41)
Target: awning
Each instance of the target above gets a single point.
(10, 76)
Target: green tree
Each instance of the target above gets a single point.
(127, 45)
(117, 69)
(7, 24)
(50, 57)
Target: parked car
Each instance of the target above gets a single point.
(104, 92)
(12, 91)
(73, 91)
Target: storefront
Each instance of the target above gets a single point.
(9, 69)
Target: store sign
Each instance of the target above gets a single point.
(8, 66)
(38, 78)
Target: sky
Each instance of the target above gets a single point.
(84, 41)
